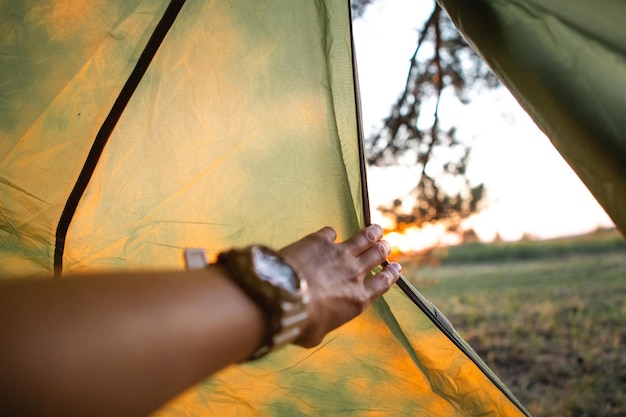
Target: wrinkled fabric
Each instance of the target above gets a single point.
(243, 130)
(565, 62)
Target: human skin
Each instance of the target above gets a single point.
(124, 344)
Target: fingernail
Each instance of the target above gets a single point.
(397, 266)
(387, 247)
(376, 229)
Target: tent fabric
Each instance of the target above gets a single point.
(392, 360)
(565, 62)
(243, 129)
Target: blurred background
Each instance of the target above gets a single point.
(489, 222)
(529, 190)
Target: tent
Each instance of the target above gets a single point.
(133, 129)
(564, 61)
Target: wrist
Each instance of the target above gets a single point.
(275, 287)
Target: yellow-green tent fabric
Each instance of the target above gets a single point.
(565, 62)
(132, 129)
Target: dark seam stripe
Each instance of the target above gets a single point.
(164, 25)
(365, 199)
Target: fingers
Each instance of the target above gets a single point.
(382, 281)
(327, 233)
(366, 245)
(374, 256)
(336, 273)
(364, 240)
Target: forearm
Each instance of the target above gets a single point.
(120, 345)
(124, 344)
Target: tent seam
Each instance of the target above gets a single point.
(107, 127)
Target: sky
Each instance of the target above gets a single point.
(531, 191)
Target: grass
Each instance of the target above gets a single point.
(548, 317)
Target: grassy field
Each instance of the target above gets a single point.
(548, 317)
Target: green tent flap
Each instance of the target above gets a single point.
(565, 62)
(243, 128)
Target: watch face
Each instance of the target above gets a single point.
(274, 270)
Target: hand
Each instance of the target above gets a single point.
(336, 275)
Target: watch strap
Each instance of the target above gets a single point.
(284, 316)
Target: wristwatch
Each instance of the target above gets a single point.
(271, 283)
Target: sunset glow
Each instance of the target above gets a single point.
(530, 189)
(414, 239)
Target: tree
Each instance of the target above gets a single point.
(442, 62)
